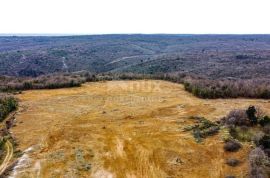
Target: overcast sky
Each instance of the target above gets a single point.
(135, 16)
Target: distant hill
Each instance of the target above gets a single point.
(213, 56)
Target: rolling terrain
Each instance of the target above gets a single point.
(122, 129)
(211, 56)
(131, 120)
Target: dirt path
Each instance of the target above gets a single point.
(8, 157)
(8, 145)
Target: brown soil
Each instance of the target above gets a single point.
(123, 129)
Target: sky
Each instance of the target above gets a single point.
(134, 16)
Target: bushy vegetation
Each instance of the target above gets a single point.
(251, 88)
(253, 125)
(242, 133)
(230, 176)
(247, 125)
(198, 86)
(259, 164)
(232, 162)
(252, 116)
(11, 84)
(232, 146)
(209, 66)
(202, 128)
(212, 56)
(203, 87)
(264, 121)
(236, 118)
(7, 105)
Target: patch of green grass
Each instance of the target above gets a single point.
(203, 128)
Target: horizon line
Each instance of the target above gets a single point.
(100, 34)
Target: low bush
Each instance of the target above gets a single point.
(257, 138)
(203, 128)
(225, 134)
(7, 104)
(258, 164)
(264, 121)
(232, 162)
(250, 117)
(236, 118)
(210, 131)
(190, 127)
(265, 142)
(197, 135)
(266, 129)
(230, 176)
(232, 146)
(241, 133)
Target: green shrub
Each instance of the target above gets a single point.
(243, 133)
(2, 142)
(190, 127)
(7, 105)
(203, 128)
(27, 85)
(197, 135)
(209, 131)
(225, 134)
(264, 121)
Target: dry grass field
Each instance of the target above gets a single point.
(121, 129)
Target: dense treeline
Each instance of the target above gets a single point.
(206, 88)
(252, 88)
(199, 86)
(11, 84)
(7, 104)
(66, 80)
(211, 89)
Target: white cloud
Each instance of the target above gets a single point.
(134, 16)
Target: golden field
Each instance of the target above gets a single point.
(122, 129)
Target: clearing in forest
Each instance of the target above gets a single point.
(122, 129)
